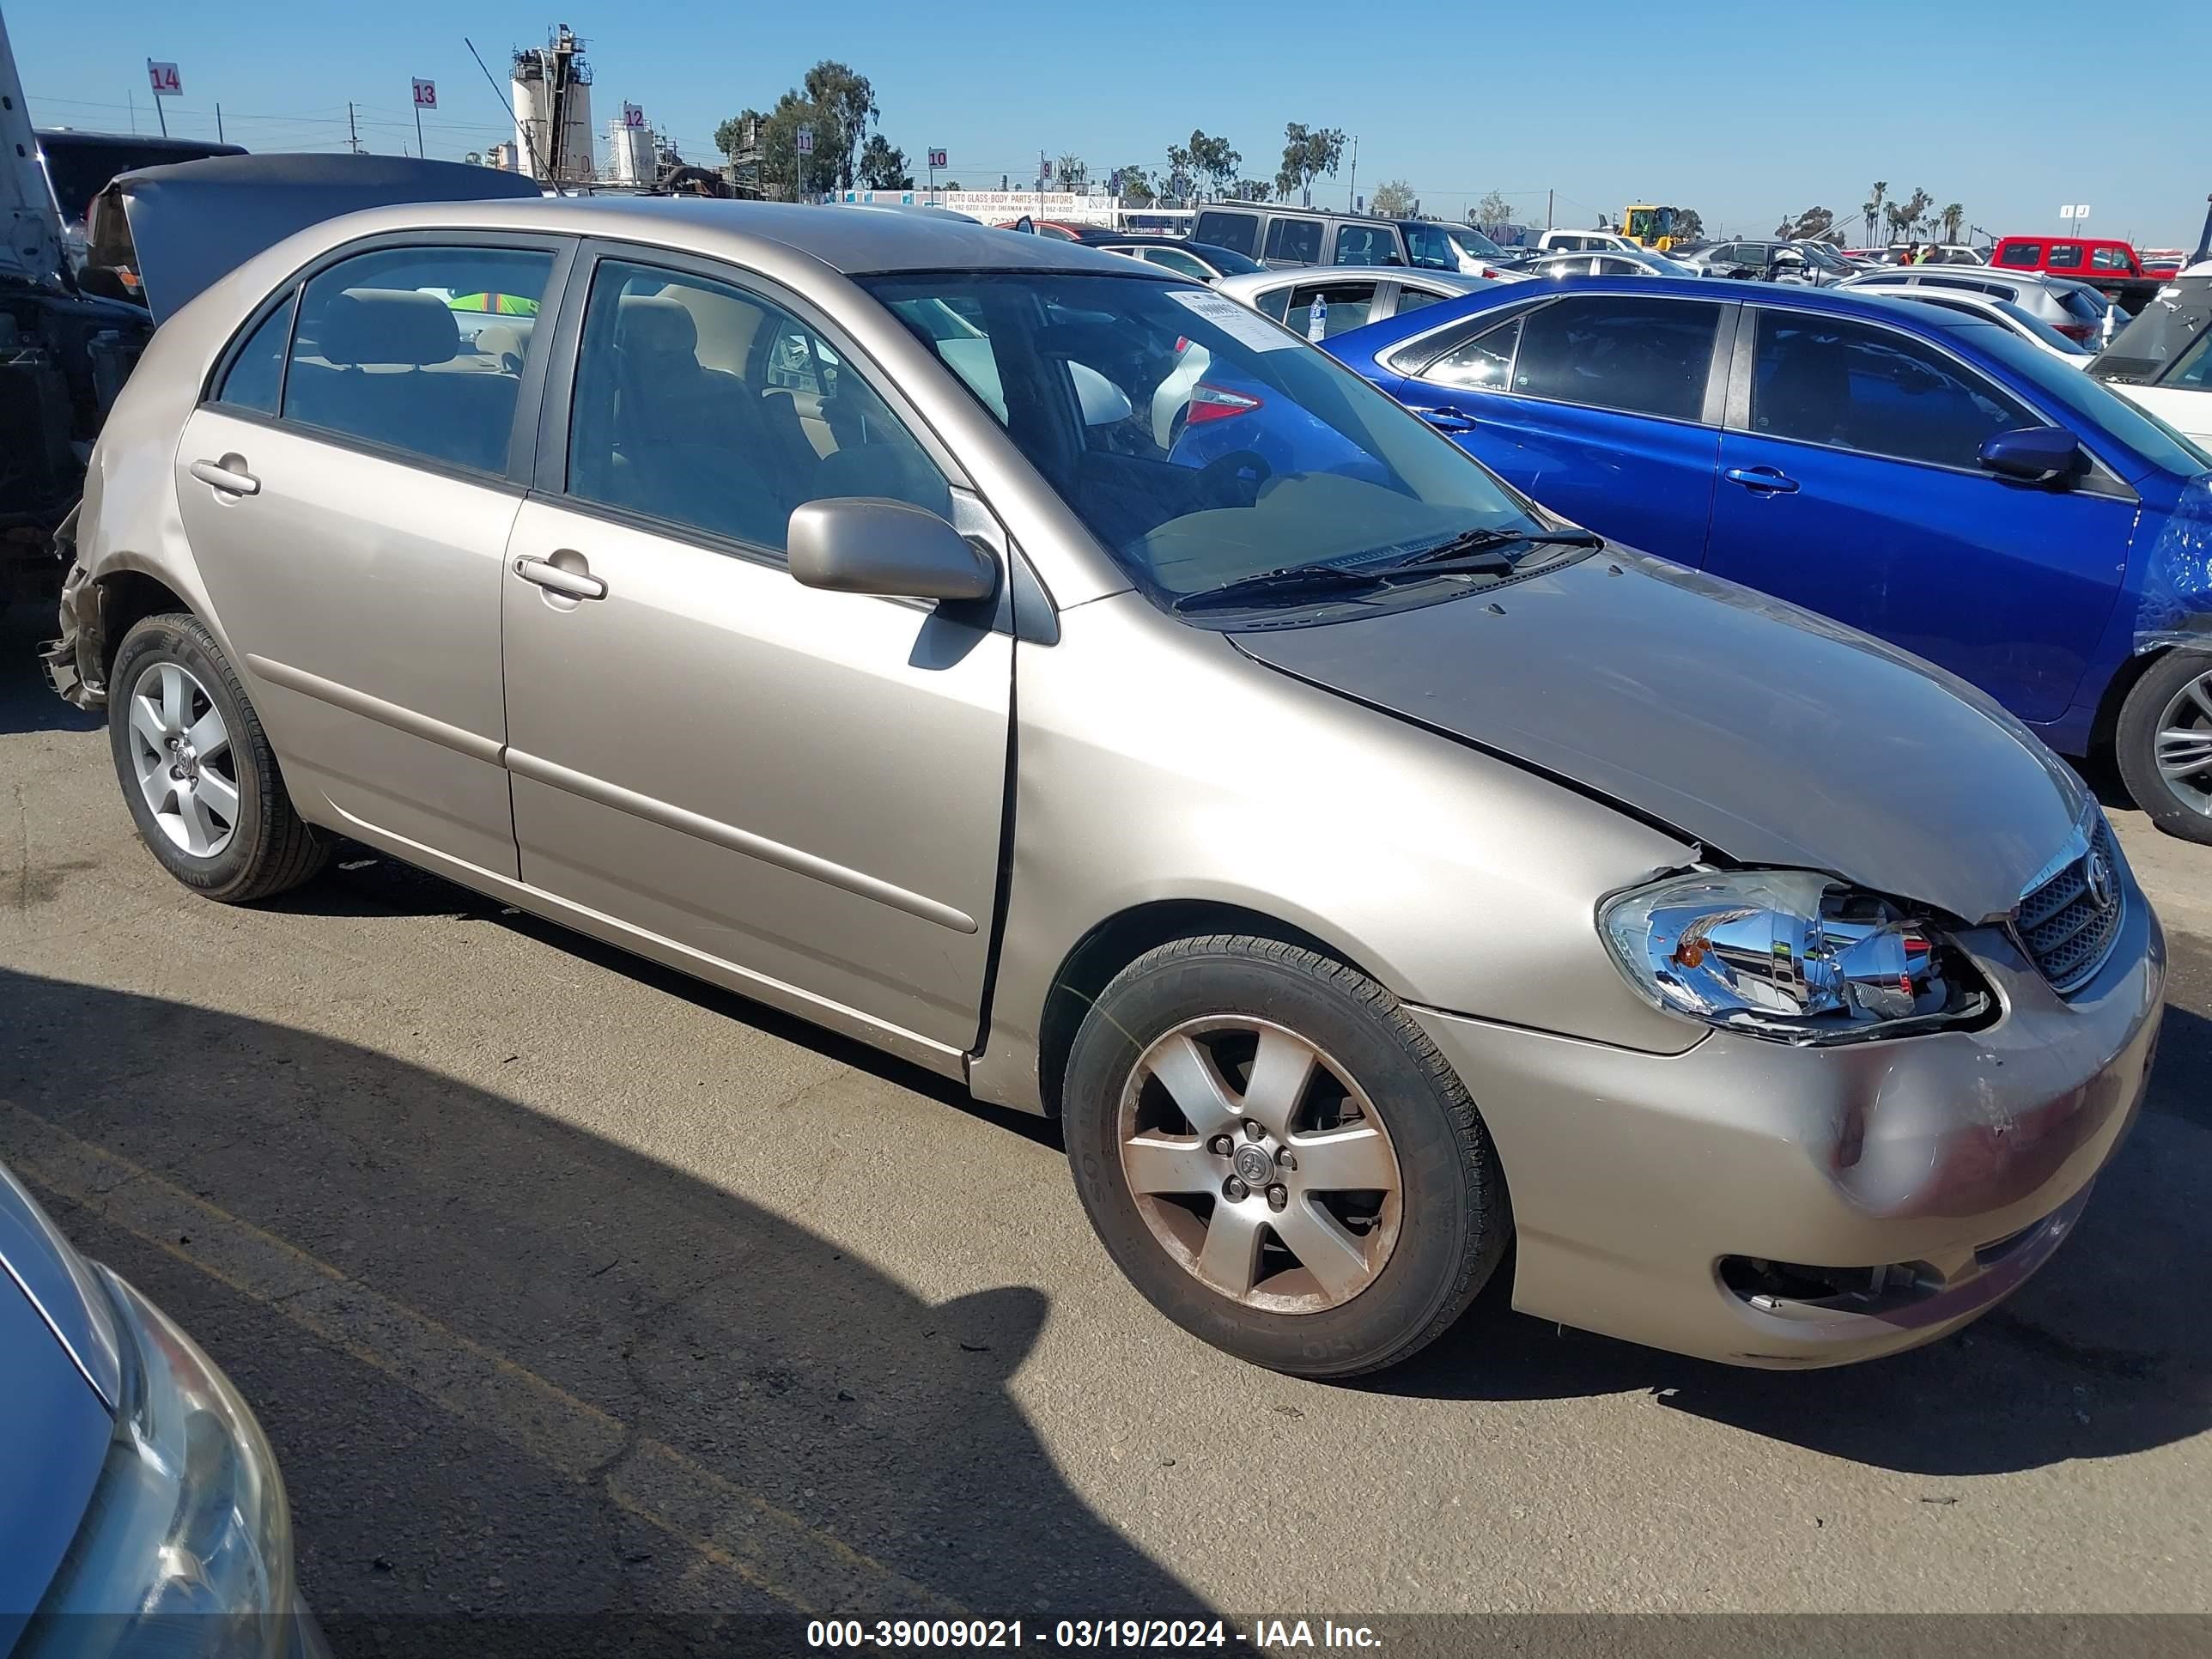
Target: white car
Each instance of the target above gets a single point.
(2005, 314)
(1587, 242)
(1637, 262)
(1316, 302)
(2162, 361)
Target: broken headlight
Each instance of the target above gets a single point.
(1786, 954)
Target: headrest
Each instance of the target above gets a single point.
(387, 326)
(653, 326)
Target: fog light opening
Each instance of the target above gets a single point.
(1786, 1287)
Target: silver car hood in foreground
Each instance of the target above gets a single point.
(1772, 735)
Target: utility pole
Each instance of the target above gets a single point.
(218, 124)
(353, 138)
(1351, 194)
(133, 97)
(1547, 207)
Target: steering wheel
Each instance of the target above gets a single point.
(1234, 479)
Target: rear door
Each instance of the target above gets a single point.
(1604, 407)
(804, 786)
(1320, 311)
(1850, 484)
(348, 494)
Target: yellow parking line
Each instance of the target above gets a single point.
(768, 1546)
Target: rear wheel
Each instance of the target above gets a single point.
(197, 771)
(2163, 743)
(1276, 1157)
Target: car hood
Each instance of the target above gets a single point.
(1770, 735)
(60, 1287)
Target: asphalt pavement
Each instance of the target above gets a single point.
(566, 1287)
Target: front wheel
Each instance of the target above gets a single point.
(2164, 745)
(1276, 1155)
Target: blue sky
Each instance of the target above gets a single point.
(1777, 107)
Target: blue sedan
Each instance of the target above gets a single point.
(1918, 474)
(142, 1515)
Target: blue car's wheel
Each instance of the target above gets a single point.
(2164, 745)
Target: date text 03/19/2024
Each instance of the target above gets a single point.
(1264, 1634)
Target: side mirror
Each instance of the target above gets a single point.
(864, 544)
(2034, 454)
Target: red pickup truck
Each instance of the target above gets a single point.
(2111, 267)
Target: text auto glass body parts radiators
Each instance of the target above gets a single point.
(1789, 955)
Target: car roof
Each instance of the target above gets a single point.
(1834, 301)
(1263, 281)
(137, 142)
(854, 243)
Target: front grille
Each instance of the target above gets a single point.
(2068, 927)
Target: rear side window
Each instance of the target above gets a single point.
(1482, 363)
(1177, 261)
(1343, 306)
(419, 349)
(1619, 351)
(2024, 255)
(1237, 232)
(1366, 244)
(1297, 241)
(1823, 380)
(255, 377)
(2064, 256)
(1410, 299)
(1567, 242)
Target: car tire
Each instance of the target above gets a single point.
(1417, 1255)
(221, 822)
(2173, 696)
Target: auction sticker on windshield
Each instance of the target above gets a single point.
(1246, 327)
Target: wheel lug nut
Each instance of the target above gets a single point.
(1252, 1129)
(1284, 1158)
(1233, 1188)
(1277, 1196)
(1221, 1145)
(177, 772)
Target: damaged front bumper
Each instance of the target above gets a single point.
(72, 660)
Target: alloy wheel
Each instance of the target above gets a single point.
(180, 754)
(1260, 1165)
(2185, 745)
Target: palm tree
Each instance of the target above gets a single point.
(1954, 219)
(1871, 208)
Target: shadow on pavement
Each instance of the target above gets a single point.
(537, 1342)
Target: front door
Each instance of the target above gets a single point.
(1597, 405)
(806, 787)
(1854, 488)
(348, 498)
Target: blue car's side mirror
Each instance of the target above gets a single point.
(2034, 454)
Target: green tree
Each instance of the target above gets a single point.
(881, 167)
(1954, 221)
(1870, 209)
(845, 103)
(1308, 153)
(1132, 187)
(1689, 225)
(1904, 217)
(1393, 199)
(1251, 190)
(1491, 211)
(1213, 161)
(1810, 226)
(1180, 182)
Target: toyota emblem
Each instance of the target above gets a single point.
(2103, 881)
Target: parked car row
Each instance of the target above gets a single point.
(1670, 932)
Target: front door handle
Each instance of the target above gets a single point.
(1444, 419)
(228, 475)
(576, 584)
(1764, 480)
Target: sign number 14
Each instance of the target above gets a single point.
(165, 81)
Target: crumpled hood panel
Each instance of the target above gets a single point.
(1770, 734)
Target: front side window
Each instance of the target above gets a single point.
(708, 407)
(1343, 306)
(2109, 258)
(1824, 380)
(1200, 443)
(256, 376)
(1430, 246)
(418, 349)
(1412, 299)
(1294, 241)
(2064, 256)
(2024, 255)
(1617, 351)
(1237, 232)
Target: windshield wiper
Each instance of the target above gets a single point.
(1474, 543)
(1290, 579)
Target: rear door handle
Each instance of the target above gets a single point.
(1444, 420)
(576, 584)
(228, 475)
(1764, 479)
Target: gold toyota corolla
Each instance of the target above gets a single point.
(1365, 867)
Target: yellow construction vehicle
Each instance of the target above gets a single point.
(1649, 226)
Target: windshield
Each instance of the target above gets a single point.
(1825, 257)
(1474, 241)
(1199, 441)
(1226, 260)
(2092, 403)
